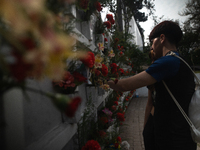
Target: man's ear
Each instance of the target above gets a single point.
(162, 38)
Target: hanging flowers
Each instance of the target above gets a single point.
(91, 145)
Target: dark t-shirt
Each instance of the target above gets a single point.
(171, 129)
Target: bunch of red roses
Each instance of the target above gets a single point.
(109, 21)
(91, 145)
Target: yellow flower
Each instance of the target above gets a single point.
(98, 60)
(111, 54)
(105, 86)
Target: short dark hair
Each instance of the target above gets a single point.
(170, 29)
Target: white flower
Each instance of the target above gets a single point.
(125, 145)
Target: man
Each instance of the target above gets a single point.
(172, 132)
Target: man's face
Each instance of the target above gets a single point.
(156, 47)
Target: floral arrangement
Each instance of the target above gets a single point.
(34, 46)
(98, 134)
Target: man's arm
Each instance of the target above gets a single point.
(132, 83)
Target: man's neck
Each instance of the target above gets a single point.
(168, 49)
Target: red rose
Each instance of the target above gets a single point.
(107, 24)
(98, 6)
(105, 39)
(109, 17)
(113, 67)
(102, 133)
(116, 40)
(119, 139)
(104, 120)
(114, 107)
(121, 70)
(120, 116)
(72, 107)
(112, 21)
(84, 4)
(104, 70)
(91, 145)
(79, 77)
(89, 60)
(97, 72)
(116, 145)
(115, 102)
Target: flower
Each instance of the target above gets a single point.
(79, 77)
(98, 60)
(109, 17)
(102, 133)
(104, 120)
(104, 70)
(116, 102)
(100, 46)
(72, 107)
(105, 86)
(121, 53)
(91, 145)
(125, 145)
(120, 116)
(67, 81)
(111, 54)
(89, 59)
(113, 108)
(112, 21)
(98, 6)
(107, 24)
(65, 104)
(116, 40)
(113, 68)
(105, 39)
(119, 139)
(97, 72)
(84, 4)
(117, 145)
(107, 112)
(121, 70)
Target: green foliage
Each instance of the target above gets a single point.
(190, 44)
